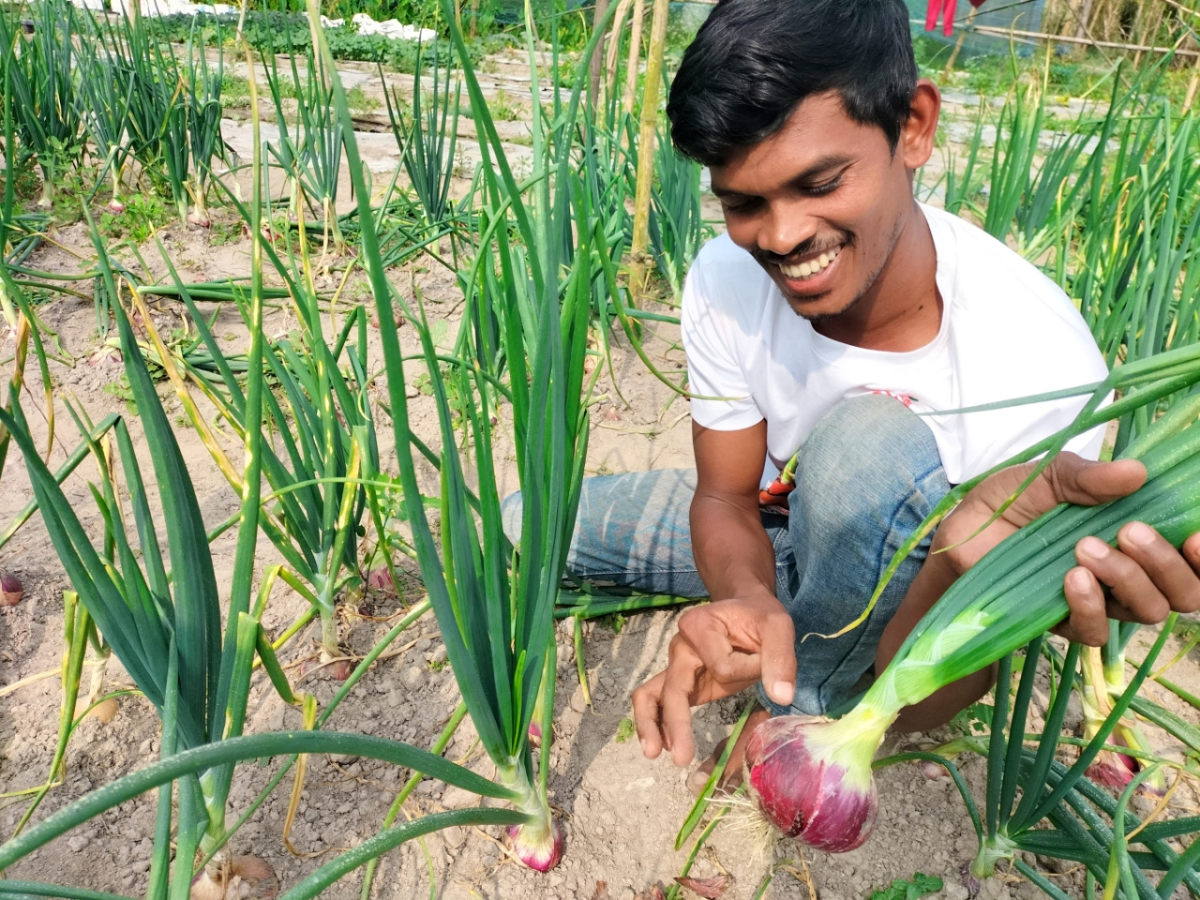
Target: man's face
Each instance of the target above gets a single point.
(820, 204)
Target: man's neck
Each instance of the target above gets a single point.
(903, 309)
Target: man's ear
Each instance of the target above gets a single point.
(916, 137)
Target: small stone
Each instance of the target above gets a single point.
(577, 702)
(394, 699)
(77, 843)
(422, 645)
(438, 654)
(956, 892)
(412, 678)
(455, 836)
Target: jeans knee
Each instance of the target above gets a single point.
(865, 443)
(511, 508)
(865, 461)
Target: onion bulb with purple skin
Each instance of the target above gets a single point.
(11, 589)
(538, 846)
(812, 777)
(538, 841)
(806, 783)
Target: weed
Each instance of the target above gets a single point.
(504, 109)
(143, 214)
(920, 886)
(224, 233)
(624, 730)
(360, 100)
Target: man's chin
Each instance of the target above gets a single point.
(819, 308)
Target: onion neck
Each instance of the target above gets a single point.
(529, 800)
(991, 850)
(919, 670)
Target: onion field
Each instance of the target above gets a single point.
(287, 310)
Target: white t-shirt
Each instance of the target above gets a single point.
(1007, 331)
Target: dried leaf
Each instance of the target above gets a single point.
(709, 888)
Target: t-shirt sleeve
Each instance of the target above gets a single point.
(713, 369)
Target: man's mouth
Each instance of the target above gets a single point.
(811, 268)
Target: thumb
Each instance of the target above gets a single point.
(778, 641)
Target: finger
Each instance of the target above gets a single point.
(1166, 566)
(1137, 598)
(779, 658)
(1069, 478)
(1088, 621)
(647, 704)
(678, 687)
(709, 639)
(1191, 552)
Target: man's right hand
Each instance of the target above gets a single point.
(720, 650)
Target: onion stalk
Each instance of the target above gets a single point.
(813, 776)
(494, 602)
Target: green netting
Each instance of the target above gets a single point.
(1022, 15)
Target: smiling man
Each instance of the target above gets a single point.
(831, 313)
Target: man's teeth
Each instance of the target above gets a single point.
(812, 267)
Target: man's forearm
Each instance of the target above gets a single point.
(733, 553)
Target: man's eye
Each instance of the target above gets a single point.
(738, 207)
(828, 187)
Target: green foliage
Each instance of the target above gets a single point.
(276, 33)
(143, 214)
(920, 886)
(625, 730)
(975, 719)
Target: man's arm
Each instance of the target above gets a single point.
(732, 551)
(1141, 580)
(745, 634)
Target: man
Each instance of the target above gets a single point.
(832, 312)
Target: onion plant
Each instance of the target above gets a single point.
(104, 108)
(813, 777)
(311, 153)
(677, 228)
(529, 314)
(428, 140)
(202, 93)
(164, 624)
(322, 442)
(42, 79)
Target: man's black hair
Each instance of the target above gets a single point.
(753, 61)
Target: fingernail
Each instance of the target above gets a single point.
(782, 692)
(1095, 548)
(1080, 580)
(1140, 534)
(645, 747)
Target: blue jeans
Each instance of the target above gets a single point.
(868, 475)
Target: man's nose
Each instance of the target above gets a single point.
(785, 227)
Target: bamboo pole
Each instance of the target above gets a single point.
(962, 37)
(1066, 39)
(597, 60)
(1191, 89)
(638, 258)
(635, 52)
(614, 47)
(1082, 18)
